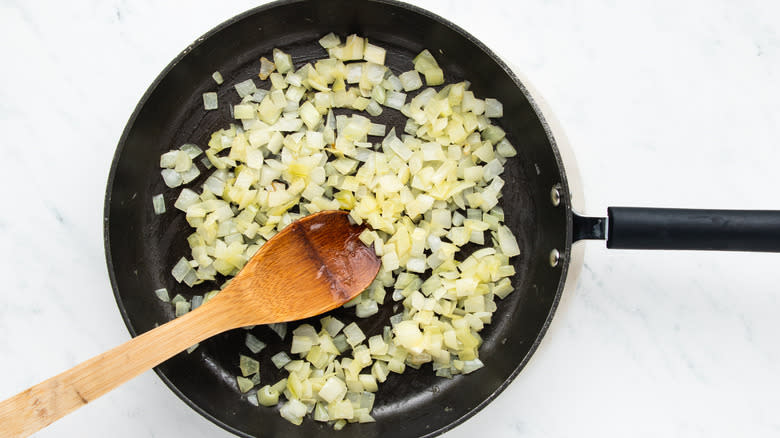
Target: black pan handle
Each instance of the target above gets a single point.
(687, 229)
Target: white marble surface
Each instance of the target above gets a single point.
(666, 103)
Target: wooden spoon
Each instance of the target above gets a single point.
(313, 265)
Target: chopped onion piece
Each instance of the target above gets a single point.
(162, 294)
(375, 54)
(410, 80)
(192, 150)
(493, 108)
(268, 396)
(332, 325)
(354, 334)
(395, 99)
(210, 101)
(329, 41)
(158, 202)
(373, 108)
(283, 61)
(507, 242)
(171, 177)
(469, 366)
(217, 76)
(182, 307)
(248, 365)
(333, 390)
(280, 359)
(253, 344)
(181, 269)
(280, 328)
(245, 88)
(244, 384)
(186, 198)
(266, 68)
(365, 309)
(168, 159)
(293, 411)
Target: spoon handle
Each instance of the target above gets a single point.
(52, 399)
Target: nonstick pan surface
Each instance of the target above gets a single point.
(141, 247)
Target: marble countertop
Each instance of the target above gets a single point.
(666, 103)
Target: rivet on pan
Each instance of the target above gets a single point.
(555, 195)
(555, 257)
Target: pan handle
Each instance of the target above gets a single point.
(687, 229)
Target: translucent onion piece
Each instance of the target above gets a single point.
(182, 307)
(279, 328)
(244, 384)
(181, 269)
(192, 150)
(330, 40)
(266, 68)
(171, 177)
(280, 359)
(248, 365)
(245, 88)
(210, 101)
(425, 193)
(217, 76)
(162, 294)
(158, 202)
(268, 396)
(410, 80)
(253, 344)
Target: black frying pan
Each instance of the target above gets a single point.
(141, 247)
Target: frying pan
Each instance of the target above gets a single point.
(142, 247)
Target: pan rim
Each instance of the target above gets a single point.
(566, 204)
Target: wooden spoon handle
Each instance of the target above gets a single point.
(48, 401)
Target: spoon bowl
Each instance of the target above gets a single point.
(315, 264)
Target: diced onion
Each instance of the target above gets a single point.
(181, 269)
(280, 328)
(268, 396)
(182, 307)
(244, 384)
(280, 359)
(507, 242)
(493, 108)
(332, 325)
(266, 68)
(354, 335)
(171, 177)
(253, 344)
(283, 61)
(395, 99)
(330, 40)
(410, 80)
(210, 101)
(425, 194)
(245, 88)
(375, 54)
(217, 76)
(293, 411)
(162, 294)
(158, 202)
